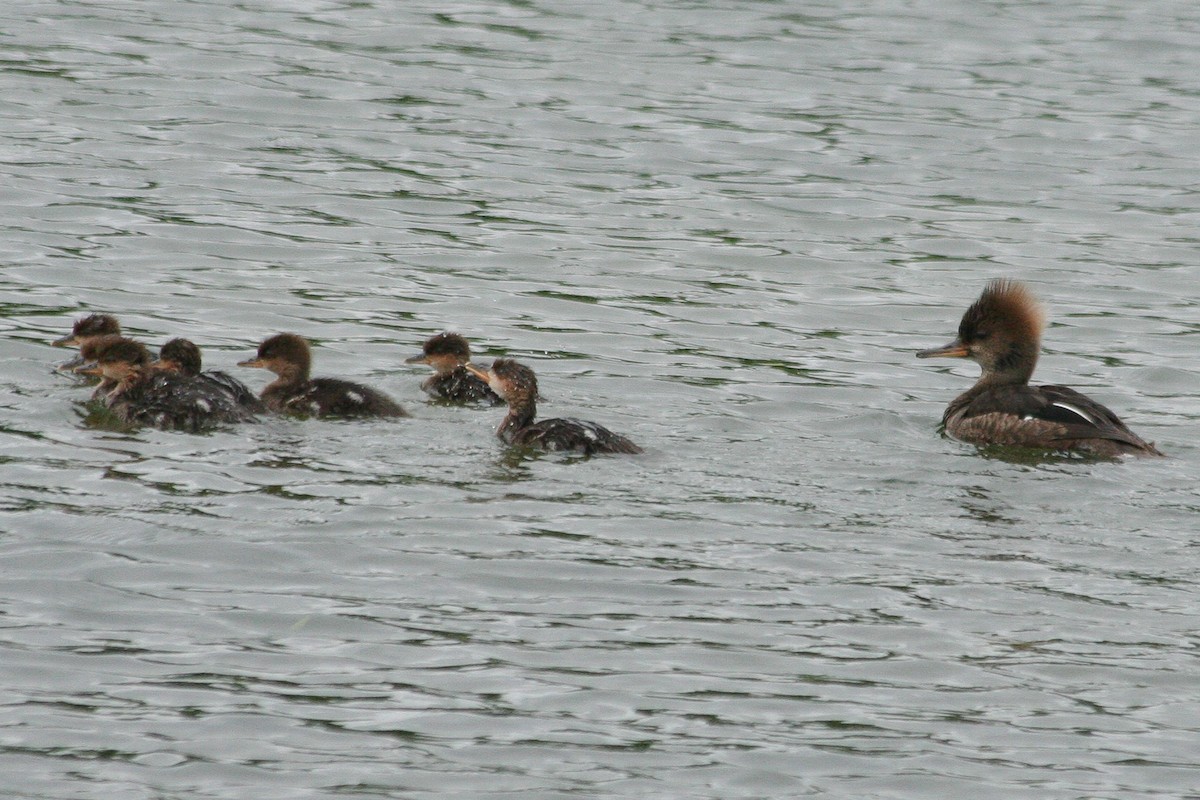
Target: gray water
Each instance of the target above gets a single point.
(721, 229)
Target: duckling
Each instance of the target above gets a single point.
(1002, 332)
(183, 356)
(89, 353)
(140, 395)
(86, 329)
(448, 353)
(517, 384)
(294, 392)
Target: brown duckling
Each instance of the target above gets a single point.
(183, 356)
(517, 384)
(140, 395)
(448, 354)
(86, 329)
(1002, 332)
(86, 362)
(118, 362)
(294, 392)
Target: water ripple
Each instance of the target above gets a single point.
(728, 248)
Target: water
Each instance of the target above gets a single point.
(722, 229)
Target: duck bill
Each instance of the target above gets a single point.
(90, 369)
(955, 349)
(252, 362)
(482, 374)
(73, 364)
(419, 358)
(67, 341)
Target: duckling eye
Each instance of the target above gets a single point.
(982, 334)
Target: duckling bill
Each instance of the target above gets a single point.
(1002, 332)
(517, 384)
(294, 392)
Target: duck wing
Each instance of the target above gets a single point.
(460, 386)
(334, 397)
(1040, 416)
(177, 402)
(573, 434)
(240, 392)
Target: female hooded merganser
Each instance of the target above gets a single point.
(1002, 331)
(448, 354)
(293, 392)
(183, 356)
(140, 395)
(517, 384)
(86, 329)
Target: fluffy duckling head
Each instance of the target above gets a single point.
(88, 327)
(514, 382)
(444, 352)
(180, 355)
(117, 358)
(283, 354)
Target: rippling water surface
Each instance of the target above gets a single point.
(719, 228)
